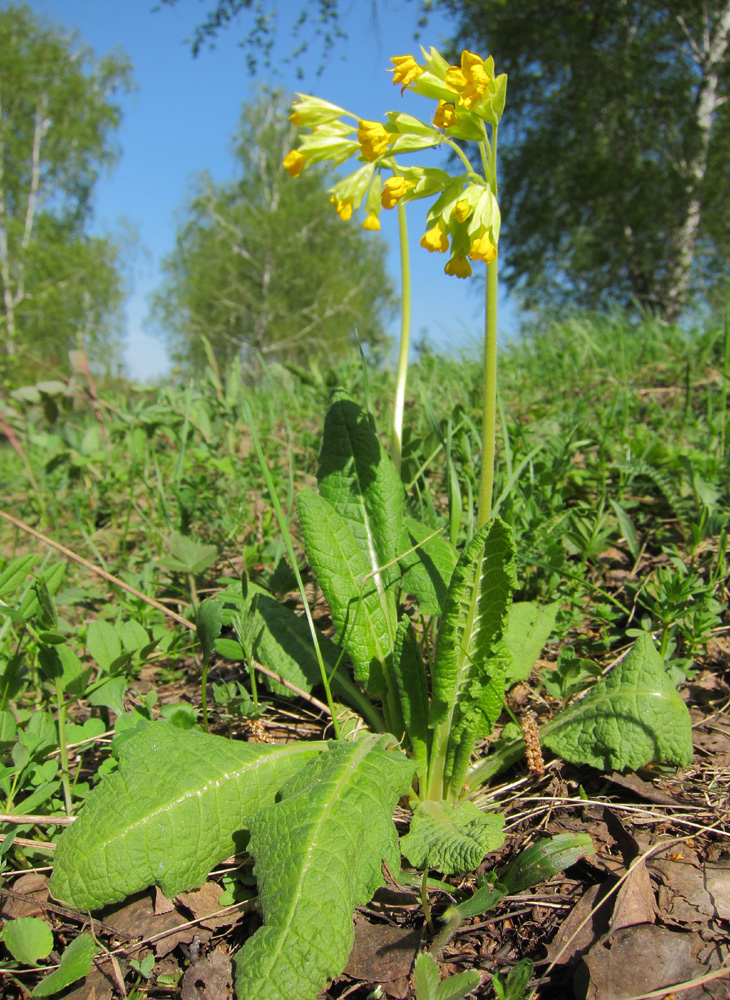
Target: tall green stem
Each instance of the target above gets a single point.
(489, 397)
(396, 447)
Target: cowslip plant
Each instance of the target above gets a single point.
(426, 641)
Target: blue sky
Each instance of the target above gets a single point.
(182, 116)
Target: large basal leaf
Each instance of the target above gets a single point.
(359, 480)
(426, 570)
(410, 678)
(467, 685)
(172, 811)
(451, 838)
(628, 719)
(361, 623)
(319, 853)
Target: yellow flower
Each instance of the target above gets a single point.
(293, 162)
(483, 249)
(373, 139)
(405, 70)
(435, 240)
(458, 266)
(445, 115)
(372, 222)
(393, 190)
(469, 80)
(343, 208)
(462, 211)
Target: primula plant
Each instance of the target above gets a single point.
(426, 642)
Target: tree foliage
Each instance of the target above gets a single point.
(262, 265)
(614, 158)
(57, 122)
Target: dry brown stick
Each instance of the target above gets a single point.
(110, 578)
(35, 820)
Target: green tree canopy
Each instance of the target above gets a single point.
(262, 265)
(57, 122)
(614, 154)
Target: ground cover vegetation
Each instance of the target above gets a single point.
(403, 634)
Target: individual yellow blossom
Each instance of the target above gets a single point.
(445, 115)
(405, 70)
(373, 139)
(469, 80)
(483, 249)
(393, 190)
(462, 211)
(372, 222)
(293, 162)
(458, 266)
(435, 240)
(343, 208)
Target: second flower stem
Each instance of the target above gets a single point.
(396, 447)
(489, 397)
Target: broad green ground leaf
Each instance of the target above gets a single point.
(451, 838)
(361, 623)
(467, 685)
(28, 939)
(628, 719)
(427, 570)
(76, 962)
(359, 480)
(410, 679)
(528, 629)
(188, 555)
(175, 808)
(319, 853)
(430, 986)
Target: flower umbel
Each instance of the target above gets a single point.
(483, 249)
(393, 190)
(343, 208)
(372, 222)
(405, 70)
(373, 139)
(462, 211)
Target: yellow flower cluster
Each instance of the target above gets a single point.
(464, 218)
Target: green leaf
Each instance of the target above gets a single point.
(467, 686)
(28, 939)
(46, 609)
(208, 623)
(360, 621)
(357, 477)
(483, 900)
(544, 859)
(8, 729)
(76, 962)
(410, 678)
(456, 987)
(426, 572)
(518, 979)
(175, 808)
(134, 636)
(187, 555)
(451, 838)
(110, 694)
(103, 642)
(426, 976)
(52, 577)
(318, 854)
(528, 629)
(15, 573)
(628, 719)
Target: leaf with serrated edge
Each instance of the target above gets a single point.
(360, 622)
(356, 476)
(451, 838)
(628, 719)
(318, 854)
(172, 811)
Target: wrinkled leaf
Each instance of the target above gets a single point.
(428, 569)
(451, 838)
(544, 859)
(318, 854)
(528, 629)
(628, 719)
(175, 808)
